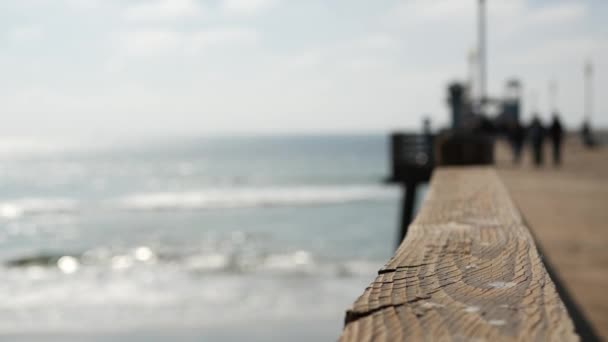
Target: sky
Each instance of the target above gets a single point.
(117, 68)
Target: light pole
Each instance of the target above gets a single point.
(482, 53)
(472, 73)
(533, 102)
(552, 96)
(588, 91)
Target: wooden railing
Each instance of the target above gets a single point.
(468, 270)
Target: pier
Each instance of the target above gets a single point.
(567, 210)
(498, 252)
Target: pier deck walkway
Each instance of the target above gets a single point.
(567, 210)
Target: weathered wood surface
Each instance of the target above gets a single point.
(566, 209)
(468, 270)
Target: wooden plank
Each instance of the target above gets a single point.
(566, 211)
(468, 270)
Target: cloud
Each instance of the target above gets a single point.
(158, 42)
(507, 17)
(163, 10)
(150, 42)
(217, 62)
(26, 33)
(408, 13)
(379, 41)
(306, 59)
(561, 13)
(555, 52)
(83, 4)
(246, 6)
(524, 19)
(198, 41)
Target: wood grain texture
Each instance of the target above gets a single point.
(468, 270)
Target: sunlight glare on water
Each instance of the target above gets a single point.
(194, 240)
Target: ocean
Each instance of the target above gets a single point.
(192, 239)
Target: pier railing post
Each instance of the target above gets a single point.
(412, 161)
(407, 208)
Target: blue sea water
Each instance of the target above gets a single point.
(211, 239)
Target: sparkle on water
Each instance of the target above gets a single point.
(68, 264)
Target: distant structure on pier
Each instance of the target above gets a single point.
(495, 113)
(473, 109)
(511, 103)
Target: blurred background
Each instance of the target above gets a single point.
(211, 169)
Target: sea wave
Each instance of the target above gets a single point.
(105, 290)
(256, 197)
(212, 198)
(31, 206)
(299, 262)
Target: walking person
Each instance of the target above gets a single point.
(517, 135)
(537, 136)
(556, 132)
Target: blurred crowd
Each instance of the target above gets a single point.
(535, 135)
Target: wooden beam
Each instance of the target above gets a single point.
(468, 270)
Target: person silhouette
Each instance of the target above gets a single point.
(556, 133)
(537, 136)
(586, 135)
(516, 134)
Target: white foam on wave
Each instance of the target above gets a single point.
(94, 302)
(28, 206)
(256, 197)
(19, 146)
(300, 262)
(206, 288)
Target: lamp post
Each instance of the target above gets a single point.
(552, 96)
(482, 53)
(472, 73)
(588, 91)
